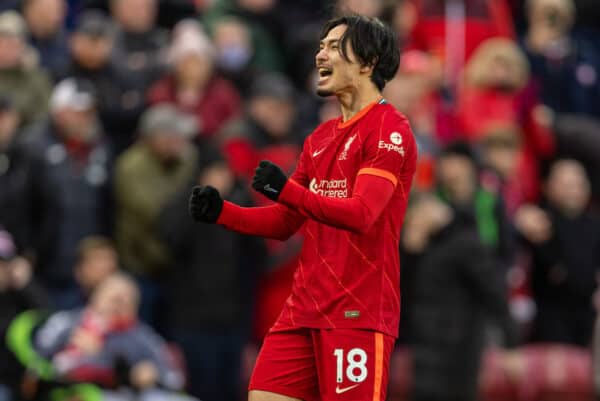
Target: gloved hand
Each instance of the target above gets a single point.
(269, 180)
(205, 204)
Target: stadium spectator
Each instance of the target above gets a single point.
(259, 47)
(96, 259)
(564, 241)
(192, 83)
(104, 343)
(453, 290)
(497, 93)
(416, 91)
(47, 34)
(452, 30)
(147, 176)
(70, 186)
(211, 287)
(19, 291)
(15, 175)
(139, 44)
(268, 131)
(461, 185)
(401, 16)
(20, 76)
(234, 52)
(119, 104)
(565, 62)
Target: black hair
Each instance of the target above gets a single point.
(373, 42)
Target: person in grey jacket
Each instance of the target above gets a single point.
(107, 345)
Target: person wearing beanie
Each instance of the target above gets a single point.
(163, 158)
(192, 83)
(20, 75)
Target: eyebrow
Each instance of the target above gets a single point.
(330, 41)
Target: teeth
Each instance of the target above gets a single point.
(324, 71)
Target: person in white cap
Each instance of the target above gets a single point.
(69, 198)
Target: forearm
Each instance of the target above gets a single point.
(275, 221)
(357, 214)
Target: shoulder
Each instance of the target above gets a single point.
(147, 336)
(129, 160)
(324, 128)
(388, 117)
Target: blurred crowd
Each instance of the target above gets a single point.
(111, 111)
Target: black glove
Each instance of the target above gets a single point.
(205, 204)
(269, 180)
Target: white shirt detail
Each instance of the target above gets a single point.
(318, 152)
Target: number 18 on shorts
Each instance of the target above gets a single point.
(325, 365)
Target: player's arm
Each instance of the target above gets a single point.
(370, 196)
(389, 158)
(275, 221)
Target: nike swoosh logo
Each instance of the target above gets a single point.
(268, 188)
(339, 390)
(318, 152)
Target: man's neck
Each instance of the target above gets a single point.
(353, 101)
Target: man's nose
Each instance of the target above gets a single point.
(321, 55)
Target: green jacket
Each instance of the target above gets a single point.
(30, 90)
(267, 55)
(142, 187)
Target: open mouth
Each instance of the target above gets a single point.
(325, 72)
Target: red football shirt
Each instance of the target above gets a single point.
(352, 279)
(349, 193)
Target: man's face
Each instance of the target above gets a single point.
(95, 267)
(12, 49)
(193, 69)
(115, 299)
(275, 116)
(135, 15)
(336, 74)
(75, 124)
(91, 52)
(45, 17)
(457, 177)
(554, 15)
(568, 187)
(168, 146)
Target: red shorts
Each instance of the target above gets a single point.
(324, 365)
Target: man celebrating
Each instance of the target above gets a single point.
(349, 192)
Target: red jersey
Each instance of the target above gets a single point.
(348, 275)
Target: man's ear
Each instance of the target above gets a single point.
(367, 69)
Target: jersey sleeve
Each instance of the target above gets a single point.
(388, 149)
(273, 221)
(300, 175)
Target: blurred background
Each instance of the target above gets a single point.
(110, 111)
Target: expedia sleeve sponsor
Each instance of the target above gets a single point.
(391, 146)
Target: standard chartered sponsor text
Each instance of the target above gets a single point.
(330, 188)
